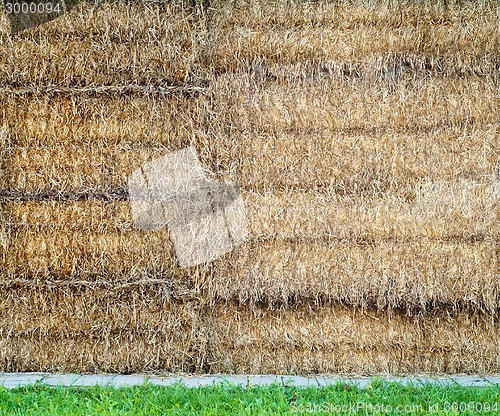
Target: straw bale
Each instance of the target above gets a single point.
(305, 339)
(362, 134)
(156, 44)
(76, 169)
(101, 121)
(121, 353)
(387, 274)
(422, 104)
(109, 327)
(79, 253)
(63, 169)
(80, 215)
(409, 275)
(458, 210)
(280, 33)
(127, 330)
(373, 251)
(341, 162)
(234, 104)
(176, 349)
(354, 163)
(166, 43)
(98, 308)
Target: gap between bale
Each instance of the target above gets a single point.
(92, 330)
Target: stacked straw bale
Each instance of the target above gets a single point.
(312, 339)
(83, 326)
(364, 138)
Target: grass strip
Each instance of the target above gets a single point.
(380, 397)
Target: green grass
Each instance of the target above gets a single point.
(224, 399)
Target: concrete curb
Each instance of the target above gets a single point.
(13, 380)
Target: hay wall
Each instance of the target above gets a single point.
(364, 139)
